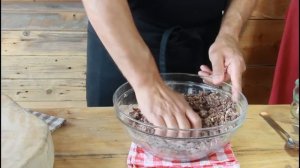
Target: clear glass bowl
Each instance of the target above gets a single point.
(176, 148)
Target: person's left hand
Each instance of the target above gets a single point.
(227, 64)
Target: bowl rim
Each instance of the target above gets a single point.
(241, 117)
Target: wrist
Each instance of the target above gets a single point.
(227, 37)
(138, 66)
(146, 81)
(145, 75)
(231, 28)
(226, 33)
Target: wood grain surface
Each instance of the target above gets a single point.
(45, 40)
(93, 137)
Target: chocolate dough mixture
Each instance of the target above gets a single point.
(213, 108)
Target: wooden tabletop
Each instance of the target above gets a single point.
(93, 137)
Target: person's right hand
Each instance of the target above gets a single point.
(165, 108)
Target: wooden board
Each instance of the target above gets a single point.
(255, 144)
(67, 21)
(257, 78)
(17, 1)
(44, 16)
(45, 90)
(53, 104)
(259, 43)
(47, 95)
(257, 83)
(42, 67)
(265, 9)
(270, 9)
(55, 61)
(43, 43)
(44, 49)
(44, 7)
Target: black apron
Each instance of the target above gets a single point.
(178, 33)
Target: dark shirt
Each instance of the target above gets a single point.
(178, 12)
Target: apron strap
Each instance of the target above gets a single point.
(163, 48)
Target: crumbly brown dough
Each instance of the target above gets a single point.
(214, 109)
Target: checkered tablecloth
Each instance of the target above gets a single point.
(223, 158)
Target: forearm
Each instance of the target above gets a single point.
(236, 16)
(114, 25)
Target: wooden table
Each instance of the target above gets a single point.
(93, 137)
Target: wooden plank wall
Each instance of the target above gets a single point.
(44, 51)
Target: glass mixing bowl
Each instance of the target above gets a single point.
(177, 148)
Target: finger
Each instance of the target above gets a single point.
(183, 123)
(205, 69)
(196, 122)
(204, 74)
(218, 70)
(171, 123)
(236, 81)
(208, 82)
(206, 77)
(159, 121)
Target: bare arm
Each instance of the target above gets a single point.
(236, 16)
(115, 27)
(225, 54)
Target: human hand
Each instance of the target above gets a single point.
(227, 64)
(165, 108)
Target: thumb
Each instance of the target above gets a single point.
(218, 70)
(236, 81)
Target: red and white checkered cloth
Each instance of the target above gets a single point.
(224, 158)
